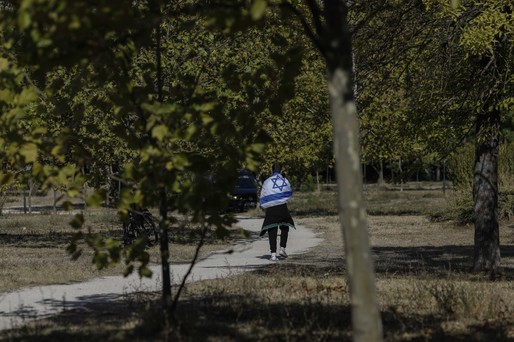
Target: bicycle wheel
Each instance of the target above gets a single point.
(150, 230)
(129, 233)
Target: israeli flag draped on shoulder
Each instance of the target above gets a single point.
(276, 190)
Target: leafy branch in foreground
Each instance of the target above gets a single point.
(146, 98)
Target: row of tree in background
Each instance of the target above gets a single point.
(416, 102)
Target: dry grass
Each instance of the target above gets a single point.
(33, 251)
(32, 248)
(425, 293)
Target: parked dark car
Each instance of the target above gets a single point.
(244, 195)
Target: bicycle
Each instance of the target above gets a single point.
(140, 224)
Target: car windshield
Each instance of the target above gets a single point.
(246, 181)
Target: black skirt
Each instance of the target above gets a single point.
(277, 216)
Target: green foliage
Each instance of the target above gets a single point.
(460, 167)
(273, 70)
(413, 66)
(18, 143)
(461, 163)
(258, 8)
(484, 39)
(460, 171)
(403, 105)
(90, 99)
(460, 208)
(308, 184)
(489, 27)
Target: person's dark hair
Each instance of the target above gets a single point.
(276, 167)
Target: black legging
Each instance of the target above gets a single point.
(272, 234)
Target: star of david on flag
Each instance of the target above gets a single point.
(276, 190)
(276, 180)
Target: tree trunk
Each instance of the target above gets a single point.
(318, 188)
(165, 253)
(163, 207)
(485, 193)
(400, 174)
(381, 181)
(108, 185)
(31, 189)
(54, 205)
(366, 322)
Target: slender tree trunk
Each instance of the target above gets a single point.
(381, 181)
(31, 189)
(400, 173)
(444, 176)
(318, 189)
(367, 325)
(163, 208)
(485, 193)
(108, 185)
(55, 200)
(165, 253)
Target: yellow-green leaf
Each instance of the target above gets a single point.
(145, 272)
(4, 64)
(206, 119)
(57, 152)
(24, 19)
(29, 152)
(128, 270)
(258, 8)
(159, 132)
(28, 95)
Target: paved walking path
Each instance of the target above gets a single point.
(25, 305)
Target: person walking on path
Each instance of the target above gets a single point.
(275, 192)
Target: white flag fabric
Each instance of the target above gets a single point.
(276, 190)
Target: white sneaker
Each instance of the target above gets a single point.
(282, 252)
(273, 257)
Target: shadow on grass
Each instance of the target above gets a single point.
(431, 261)
(43, 209)
(231, 318)
(239, 318)
(242, 318)
(46, 240)
(436, 261)
(223, 318)
(318, 212)
(91, 322)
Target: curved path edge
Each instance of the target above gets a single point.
(29, 304)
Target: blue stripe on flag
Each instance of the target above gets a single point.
(275, 197)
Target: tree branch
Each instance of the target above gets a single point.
(314, 37)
